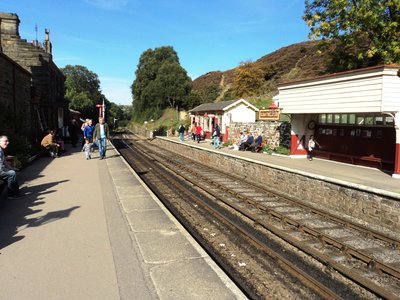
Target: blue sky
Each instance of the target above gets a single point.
(108, 36)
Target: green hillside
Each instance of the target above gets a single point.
(297, 61)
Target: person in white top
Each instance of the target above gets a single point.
(311, 146)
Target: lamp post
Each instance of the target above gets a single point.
(102, 109)
(100, 106)
(396, 173)
(115, 119)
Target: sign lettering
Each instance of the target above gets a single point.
(269, 114)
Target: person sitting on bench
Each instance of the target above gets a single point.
(257, 143)
(7, 172)
(250, 140)
(49, 144)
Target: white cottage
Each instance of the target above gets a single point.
(222, 113)
(354, 115)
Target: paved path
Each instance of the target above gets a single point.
(90, 230)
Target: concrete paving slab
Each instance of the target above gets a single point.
(181, 281)
(138, 203)
(124, 182)
(131, 271)
(165, 246)
(119, 172)
(149, 220)
(131, 190)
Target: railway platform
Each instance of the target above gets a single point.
(360, 177)
(92, 230)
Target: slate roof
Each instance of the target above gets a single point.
(220, 106)
(217, 106)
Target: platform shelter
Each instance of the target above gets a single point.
(222, 113)
(354, 116)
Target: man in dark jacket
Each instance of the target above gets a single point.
(216, 136)
(101, 135)
(257, 143)
(7, 173)
(181, 131)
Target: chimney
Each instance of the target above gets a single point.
(9, 25)
(47, 44)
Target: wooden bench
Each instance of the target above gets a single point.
(366, 160)
(377, 162)
(346, 158)
(258, 148)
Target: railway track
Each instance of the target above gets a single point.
(367, 258)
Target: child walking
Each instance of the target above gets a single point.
(87, 147)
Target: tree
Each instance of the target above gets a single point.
(82, 89)
(248, 80)
(365, 32)
(160, 82)
(174, 85)
(114, 112)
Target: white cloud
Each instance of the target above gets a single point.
(117, 90)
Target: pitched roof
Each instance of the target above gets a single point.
(212, 106)
(220, 106)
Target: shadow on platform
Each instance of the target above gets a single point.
(14, 214)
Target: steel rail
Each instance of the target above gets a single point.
(300, 274)
(369, 285)
(324, 238)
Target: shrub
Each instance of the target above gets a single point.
(228, 143)
(282, 150)
(267, 149)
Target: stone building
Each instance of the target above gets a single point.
(48, 108)
(222, 113)
(15, 96)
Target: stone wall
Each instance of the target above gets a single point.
(47, 79)
(276, 133)
(378, 210)
(15, 95)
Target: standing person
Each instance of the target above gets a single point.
(73, 132)
(83, 126)
(311, 147)
(101, 134)
(87, 148)
(199, 130)
(7, 173)
(49, 143)
(216, 136)
(193, 131)
(181, 131)
(88, 131)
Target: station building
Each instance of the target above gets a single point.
(41, 101)
(222, 113)
(353, 115)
